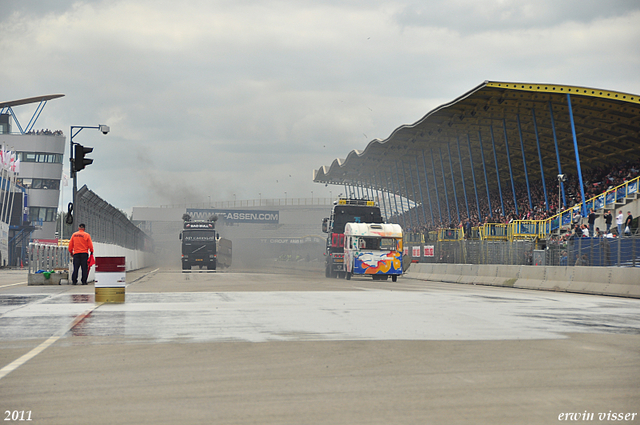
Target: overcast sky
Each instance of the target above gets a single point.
(239, 97)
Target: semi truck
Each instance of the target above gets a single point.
(345, 211)
(203, 247)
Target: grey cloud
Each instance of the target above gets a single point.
(468, 17)
(222, 98)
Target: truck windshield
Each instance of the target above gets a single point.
(377, 244)
(199, 235)
(387, 244)
(343, 214)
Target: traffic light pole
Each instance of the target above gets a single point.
(74, 173)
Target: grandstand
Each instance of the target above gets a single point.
(517, 161)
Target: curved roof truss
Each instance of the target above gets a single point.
(493, 127)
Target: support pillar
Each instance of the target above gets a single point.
(486, 180)
(426, 182)
(453, 183)
(473, 174)
(524, 162)
(513, 186)
(464, 188)
(575, 149)
(435, 184)
(544, 185)
(495, 158)
(555, 142)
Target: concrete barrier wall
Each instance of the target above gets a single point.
(615, 281)
(134, 260)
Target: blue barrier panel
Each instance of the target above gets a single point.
(610, 197)
(604, 252)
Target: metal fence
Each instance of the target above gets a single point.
(603, 252)
(47, 257)
(107, 224)
(243, 203)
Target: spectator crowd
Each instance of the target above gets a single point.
(45, 132)
(596, 181)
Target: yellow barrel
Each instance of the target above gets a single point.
(110, 295)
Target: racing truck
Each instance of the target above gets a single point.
(373, 250)
(202, 246)
(345, 211)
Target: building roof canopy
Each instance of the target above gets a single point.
(499, 120)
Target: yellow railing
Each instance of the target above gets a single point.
(541, 229)
(524, 229)
(494, 232)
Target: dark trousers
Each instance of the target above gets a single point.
(80, 260)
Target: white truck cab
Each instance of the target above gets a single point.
(373, 250)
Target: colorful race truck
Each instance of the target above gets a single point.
(345, 211)
(373, 250)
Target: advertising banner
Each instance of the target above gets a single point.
(236, 216)
(429, 251)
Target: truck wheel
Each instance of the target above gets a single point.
(327, 272)
(348, 276)
(394, 278)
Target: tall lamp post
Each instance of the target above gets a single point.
(78, 161)
(561, 179)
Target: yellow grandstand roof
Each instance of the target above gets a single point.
(607, 126)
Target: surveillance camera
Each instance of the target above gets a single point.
(104, 128)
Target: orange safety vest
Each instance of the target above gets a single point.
(80, 242)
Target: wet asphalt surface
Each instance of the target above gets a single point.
(269, 308)
(281, 319)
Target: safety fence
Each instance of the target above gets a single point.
(604, 252)
(517, 230)
(108, 224)
(47, 257)
(261, 202)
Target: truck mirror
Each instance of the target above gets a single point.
(180, 236)
(325, 225)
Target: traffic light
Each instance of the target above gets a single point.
(79, 158)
